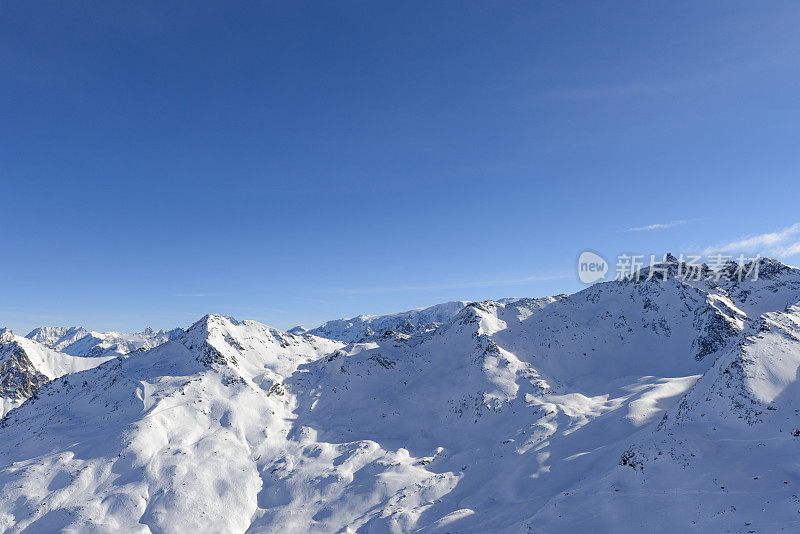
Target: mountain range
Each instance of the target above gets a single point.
(655, 404)
(77, 341)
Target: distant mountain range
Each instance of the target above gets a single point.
(661, 405)
(77, 341)
(370, 327)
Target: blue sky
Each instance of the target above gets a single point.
(293, 162)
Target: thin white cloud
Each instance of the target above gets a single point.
(769, 243)
(789, 250)
(662, 87)
(201, 295)
(627, 90)
(482, 283)
(657, 226)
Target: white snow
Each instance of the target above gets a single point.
(656, 406)
(54, 364)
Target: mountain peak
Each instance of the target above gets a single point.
(212, 320)
(770, 267)
(297, 330)
(6, 335)
(730, 271)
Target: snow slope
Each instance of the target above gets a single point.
(657, 406)
(25, 365)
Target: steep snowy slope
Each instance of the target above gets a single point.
(368, 327)
(657, 406)
(78, 341)
(723, 459)
(197, 434)
(25, 365)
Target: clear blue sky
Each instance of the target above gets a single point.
(293, 162)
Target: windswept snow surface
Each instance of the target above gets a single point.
(632, 406)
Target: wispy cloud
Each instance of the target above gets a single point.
(789, 250)
(200, 295)
(664, 86)
(657, 226)
(461, 285)
(776, 243)
(625, 90)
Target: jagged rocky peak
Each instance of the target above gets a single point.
(761, 268)
(250, 347)
(671, 267)
(210, 321)
(484, 305)
(6, 335)
(770, 268)
(297, 330)
(200, 331)
(19, 377)
(45, 332)
(213, 325)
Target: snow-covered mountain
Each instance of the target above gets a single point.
(77, 341)
(25, 365)
(369, 327)
(176, 438)
(655, 405)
